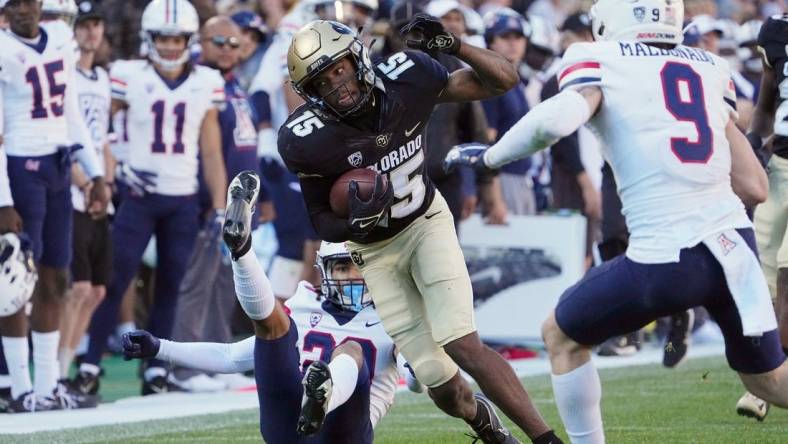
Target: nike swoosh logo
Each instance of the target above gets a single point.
(366, 224)
(408, 133)
(374, 323)
(430, 216)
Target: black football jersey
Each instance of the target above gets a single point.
(319, 149)
(773, 41)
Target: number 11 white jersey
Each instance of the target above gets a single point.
(164, 120)
(662, 127)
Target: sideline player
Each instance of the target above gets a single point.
(336, 319)
(42, 123)
(683, 172)
(172, 114)
(92, 251)
(771, 217)
(359, 115)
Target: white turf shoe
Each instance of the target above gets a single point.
(752, 406)
(201, 383)
(235, 381)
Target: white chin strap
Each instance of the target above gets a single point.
(166, 64)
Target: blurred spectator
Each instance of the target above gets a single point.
(461, 20)
(451, 124)
(253, 46)
(123, 19)
(505, 33)
(573, 185)
(206, 302)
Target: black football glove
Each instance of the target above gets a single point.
(140, 344)
(427, 34)
(760, 150)
(467, 154)
(365, 215)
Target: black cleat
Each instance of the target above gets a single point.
(490, 430)
(29, 402)
(317, 391)
(624, 345)
(678, 340)
(5, 399)
(85, 383)
(158, 385)
(68, 398)
(241, 202)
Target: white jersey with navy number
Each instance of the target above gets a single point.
(163, 120)
(94, 102)
(321, 330)
(39, 102)
(662, 127)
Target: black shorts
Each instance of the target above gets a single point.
(92, 259)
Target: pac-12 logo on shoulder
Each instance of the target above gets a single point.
(355, 256)
(315, 317)
(355, 159)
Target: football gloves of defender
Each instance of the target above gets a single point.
(426, 33)
(467, 154)
(140, 344)
(365, 215)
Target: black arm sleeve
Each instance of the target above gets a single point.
(329, 226)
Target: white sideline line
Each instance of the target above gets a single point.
(177, 405)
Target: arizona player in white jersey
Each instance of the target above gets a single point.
(340, 311)
(172, 117)
(42, 127)
(299, 392)
(665, 114)
(92, 253)
(770, 119)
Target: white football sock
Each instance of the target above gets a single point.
(46, 368)
(344, 375)
(126, 327)
(65, 356)
(90, 369)
(17, 356)
(577, 395)
(252, 287)
(82, 348)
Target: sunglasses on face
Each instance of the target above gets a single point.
(220, 41)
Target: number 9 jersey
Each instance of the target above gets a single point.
(662, 126)
(773, 43)
(164, 119)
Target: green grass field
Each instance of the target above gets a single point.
(648, 404)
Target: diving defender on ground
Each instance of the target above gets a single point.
(680, 163)
(359, 115)
(335, 324)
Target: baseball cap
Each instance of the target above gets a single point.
(505, 21)
(249, 20)
(88, 9)
(404, 10)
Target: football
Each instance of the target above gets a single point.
(339, 191)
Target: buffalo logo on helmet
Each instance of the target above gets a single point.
(314, 318)
(355, 159)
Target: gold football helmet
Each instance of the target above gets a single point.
(317, 46)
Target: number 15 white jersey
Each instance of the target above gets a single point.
(662, 126)
(164, 120)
